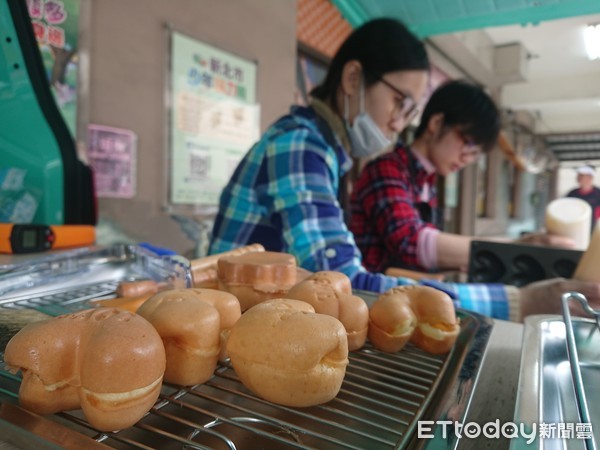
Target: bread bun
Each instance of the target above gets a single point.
(421, 314)
(287, 354)
(108, 361)
(206, 279)
(354, 315)
(192, 324)
(137, 288)
(391, 324)
(229, 312)
(201, 265)
(258, 276)
(131, 304)
(331, 293)
(302, 274)
(337, 280)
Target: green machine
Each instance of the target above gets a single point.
(42, 180)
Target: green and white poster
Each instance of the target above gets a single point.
(56, 28)
(214, 119)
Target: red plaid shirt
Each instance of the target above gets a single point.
(384, 210)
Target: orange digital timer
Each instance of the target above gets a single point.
(30, 238)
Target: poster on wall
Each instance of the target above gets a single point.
(112, 153)
(214, 120)
(56, 27)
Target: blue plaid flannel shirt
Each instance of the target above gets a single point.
(284, 195)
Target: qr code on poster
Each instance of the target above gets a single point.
(199, 166)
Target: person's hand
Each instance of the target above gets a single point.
(544, 297)
(549, 240)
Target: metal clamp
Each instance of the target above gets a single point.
(580, 398)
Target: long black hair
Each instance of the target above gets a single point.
(381, 46)
(467, 106)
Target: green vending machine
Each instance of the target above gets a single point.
(42, 180)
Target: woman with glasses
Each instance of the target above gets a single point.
(394, 214)
(287, 191)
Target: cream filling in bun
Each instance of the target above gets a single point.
(404, 328)
(117, 397)
(327, 367)
(56, 386)
(202, 352)
(436, 333)
(47, 387)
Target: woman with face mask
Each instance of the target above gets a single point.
(285, 193)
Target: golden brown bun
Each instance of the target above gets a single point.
(206, 279)
(422, 314)
(37, 397)
(287, 354)
(257, 276)
(200, 265)
(248, 296)
(392, 323)
(114, 411)
(229, 311)
(302, 274)
(320, 295)
(190, 323)
(131, 304)
(265, 271)
(137, 288)
(227, 305)
(339, 281)
(88, 359)
(435, 340)
(354, 315)
(331, 293)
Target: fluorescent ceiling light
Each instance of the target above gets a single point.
(591, 36)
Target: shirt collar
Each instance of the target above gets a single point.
(338, 127)
(427, 165)
(415, 165)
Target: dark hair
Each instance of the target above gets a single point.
(467, 106)
(381, 46)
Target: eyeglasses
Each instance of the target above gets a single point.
(470, 147)
(405, 106)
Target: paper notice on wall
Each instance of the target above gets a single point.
(214, 119)
(112, 153)
(218, 120)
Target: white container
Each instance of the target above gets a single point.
(572, 218)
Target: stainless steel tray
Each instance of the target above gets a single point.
(545, 392)
(382, 398)
(89, 266)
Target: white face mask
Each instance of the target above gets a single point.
(366, 138)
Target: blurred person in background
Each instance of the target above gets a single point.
(587, 191)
